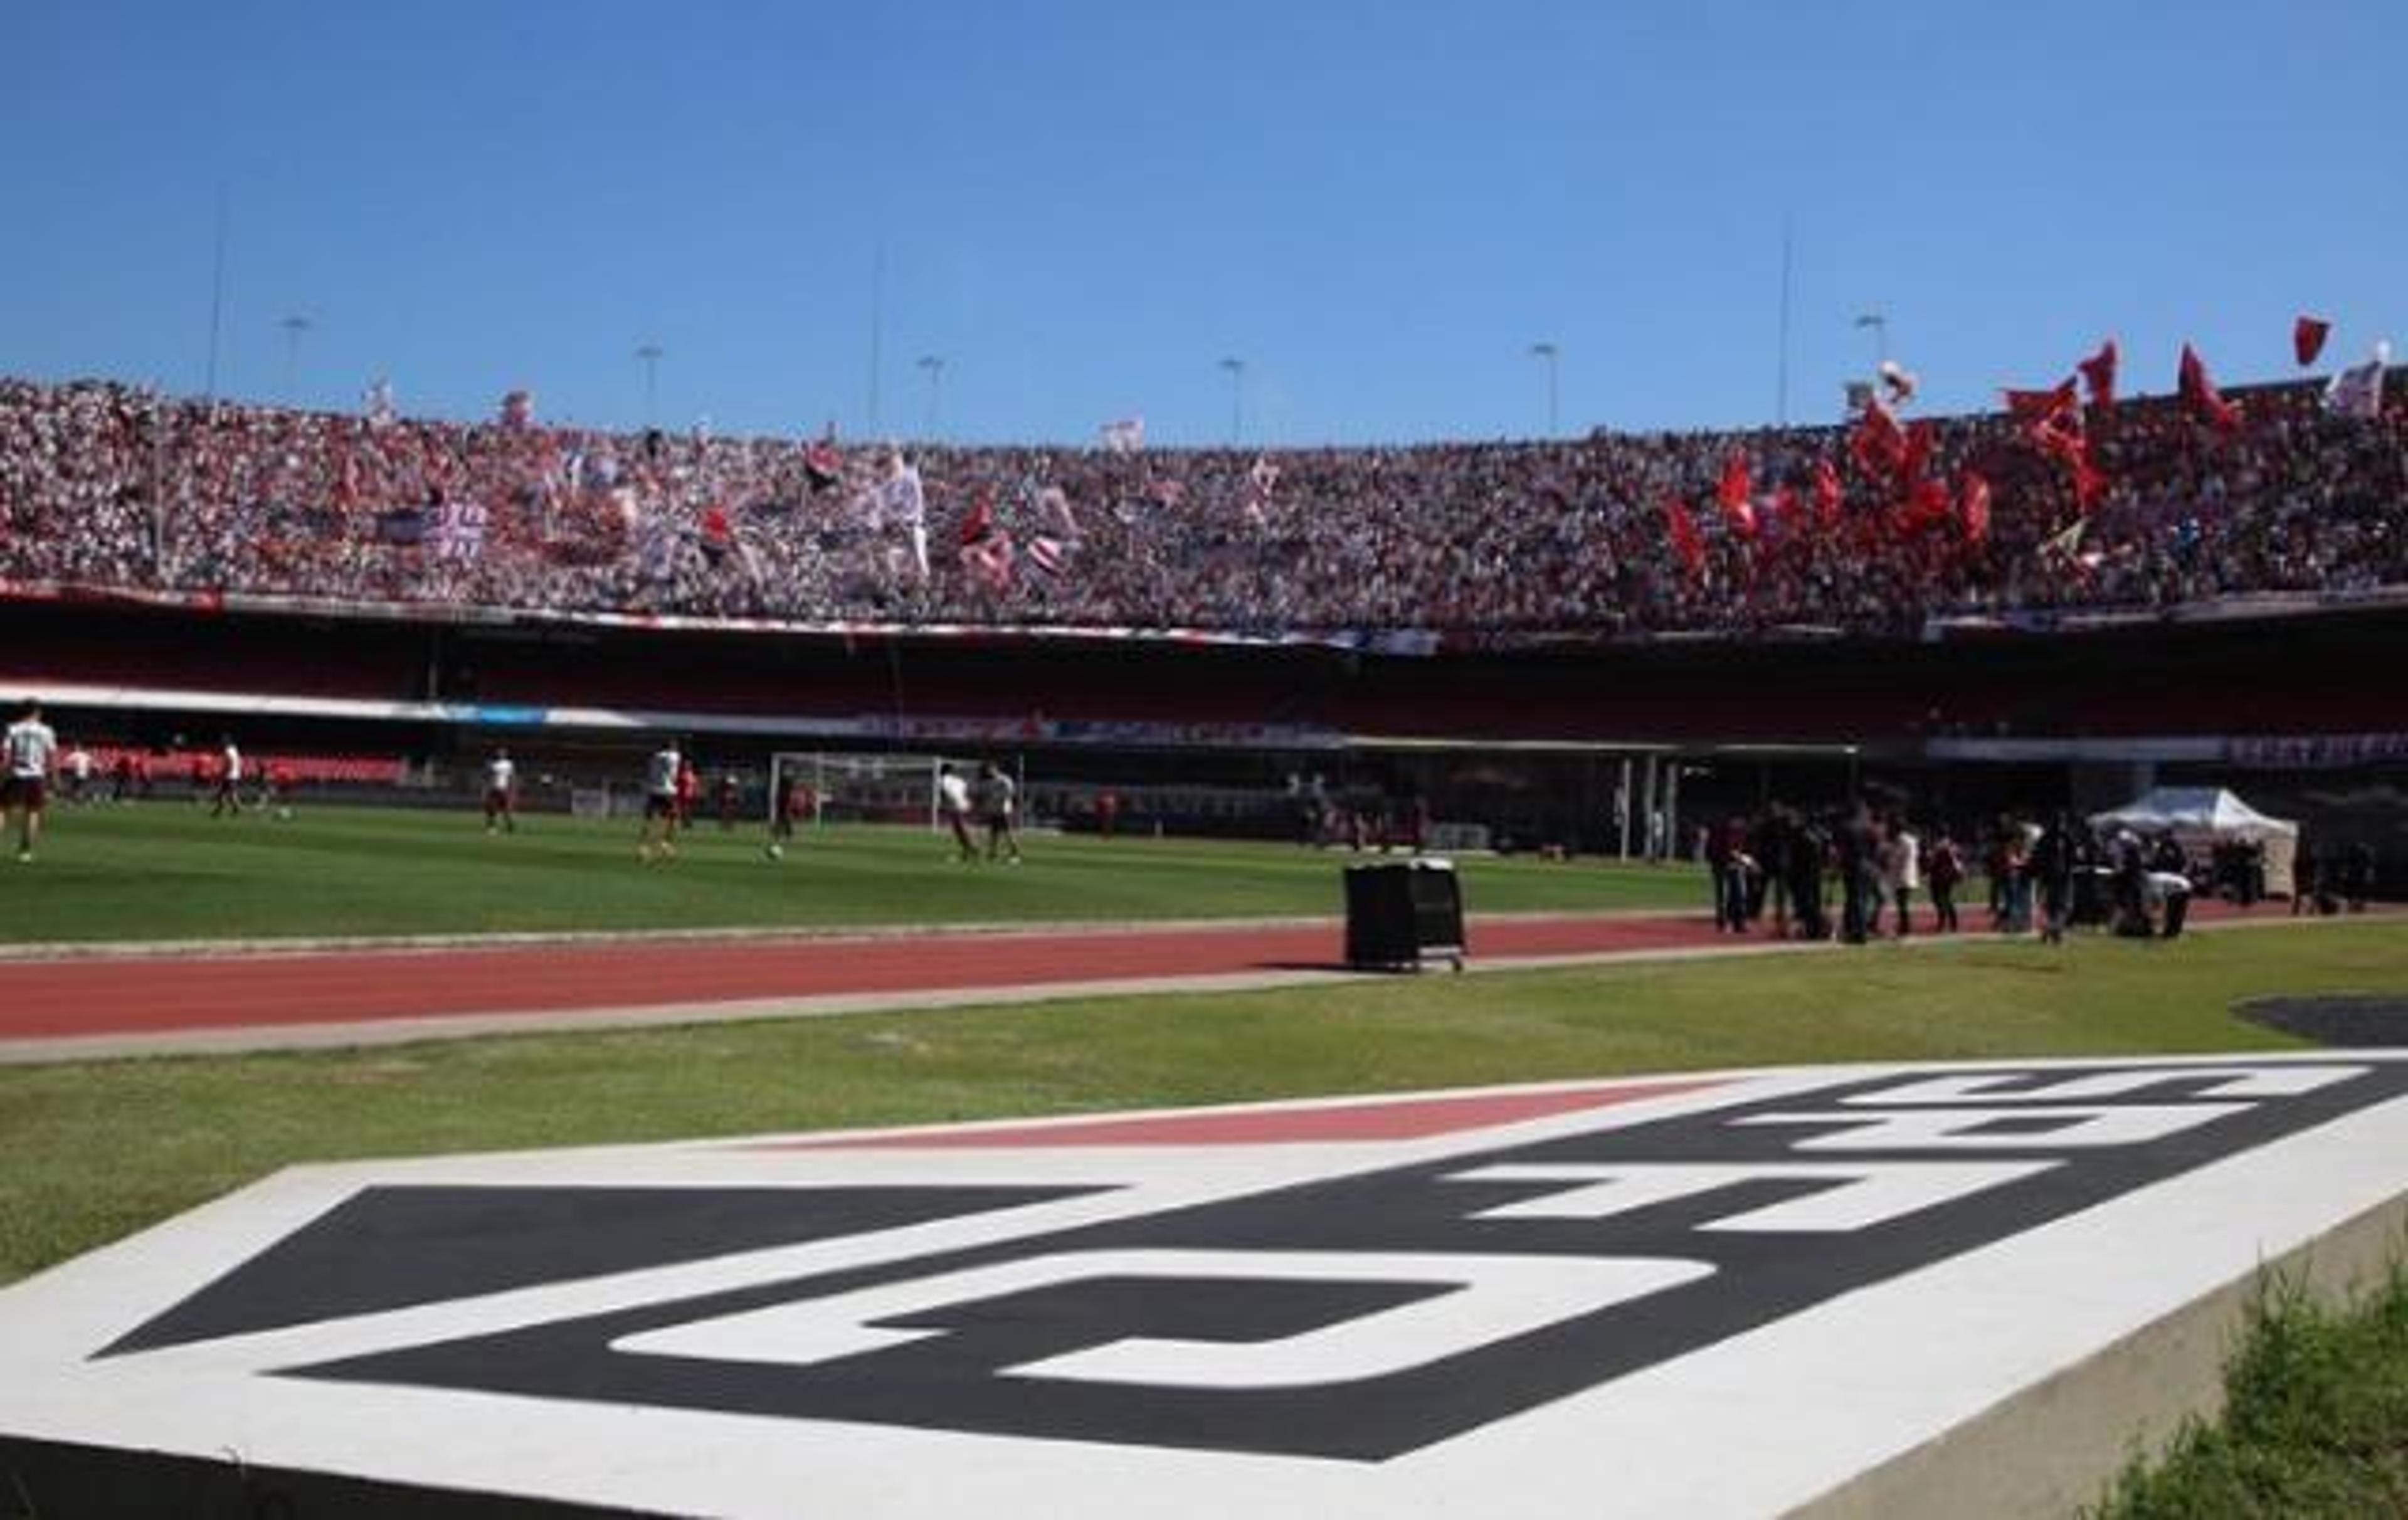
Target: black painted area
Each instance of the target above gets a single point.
(2346, 1023)
(387, 1248)
(59, 1480)
(961, 1379)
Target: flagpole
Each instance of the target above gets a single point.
(877, 325)
(1780, 383)
(217, 298)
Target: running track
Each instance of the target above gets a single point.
(110, 1004)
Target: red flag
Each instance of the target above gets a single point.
(2040, 406)
(2308, 338)
(2099, 373)
(1926, 503)
(2200, 393)
(2087, 483)
(2062, 438)
(1973, 507)
(1684, 532)
(1877, 444)
(1826, 494)
(980, 521)
(1732, 493)
(1787, 509)
(1917, 453)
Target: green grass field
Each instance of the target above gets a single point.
(100, 1150)
(166, 870)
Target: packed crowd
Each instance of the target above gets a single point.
(108, 486)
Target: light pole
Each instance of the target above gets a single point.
(1551, 354)
(1236, 368)
(294, 326)
(933, 365)
(649, 355)
(1880, 324)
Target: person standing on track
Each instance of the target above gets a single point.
(31, 754)
(661, 802)
(998, 800)
(501, 793)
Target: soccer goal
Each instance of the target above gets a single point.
(859, 788)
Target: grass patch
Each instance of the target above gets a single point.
(98, 1150)
(166, 870)
(2315, 1425)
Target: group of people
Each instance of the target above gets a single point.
(1855, 873)
(991, 801)
(1837, 873)
(110, 486)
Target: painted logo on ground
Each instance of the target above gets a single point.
(1405, 1292)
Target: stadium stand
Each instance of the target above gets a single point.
(109, 491)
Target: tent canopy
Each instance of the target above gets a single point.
(2196, 811)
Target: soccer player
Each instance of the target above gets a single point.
(501, 793)
(226, 800)
(77, 769)
(661, 802)
(280, 781)
(31, 753)
(954, 801)
(689, 786)
(997, 800)
(796, 800)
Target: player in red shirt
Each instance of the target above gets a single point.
(281, 780)
(688, 785)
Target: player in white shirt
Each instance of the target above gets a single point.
(77, 769)
(661, 802)
(954, 801)
(228, 802)
(999, 801)
(31, 753)
(501, 793)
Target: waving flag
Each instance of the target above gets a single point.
(1898, 383)
(2099, 373)
(2357, 390)
(2040, 406)
(1682, 530)
(1826, 494)
(1122, 436)
(978, 521)
(460, 531)
(1054, 505)
(2308, 339)
(2199, 393)
(1049, 556)
(1731, 492)
(1877, 445)
(1973, 507)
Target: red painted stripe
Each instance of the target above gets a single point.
(1401, 1119)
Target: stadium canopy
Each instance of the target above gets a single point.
(2207, 815)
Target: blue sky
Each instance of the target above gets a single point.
(1084, 206)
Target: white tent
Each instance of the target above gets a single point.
(2201, 816)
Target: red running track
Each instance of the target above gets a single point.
(121, 996)
(132, 995)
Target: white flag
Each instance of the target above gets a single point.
(2357, 390)
(1125, 435)
(902, 499)
(460, 530)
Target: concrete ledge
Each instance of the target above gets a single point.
(2053, 1448)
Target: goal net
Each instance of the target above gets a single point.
(822, 787)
